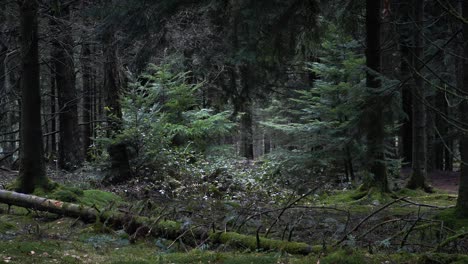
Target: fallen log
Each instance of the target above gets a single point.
(141, 226)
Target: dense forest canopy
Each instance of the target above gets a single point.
(333, 129)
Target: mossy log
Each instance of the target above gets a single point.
(251, 242)
(140, 226)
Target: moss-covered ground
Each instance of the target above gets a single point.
(36, 237)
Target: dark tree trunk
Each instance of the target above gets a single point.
(375, 118)
(87, 96)
(69, 145)
(120, 168)
(4, 98)
(448, 152)
(266, 142)
(246, 148)
(418, 176)
(430, 137)
(349, 161)
(53, 111)
(407, 127)
(32, 168)
(404, 31)
(440, 136)
(462, 202)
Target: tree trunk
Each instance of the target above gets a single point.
(246, 148)
(87, 96)
(462, 202)
(69, 144)
(418, 176)
(404, 31)
(375, 118)
(266, 142)
(53, 111)
(440, 136)
(120, 168)
(32, 168)
(430, 136)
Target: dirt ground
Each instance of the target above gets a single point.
(444, 180)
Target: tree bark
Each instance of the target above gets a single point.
(375, 118)
(87, 96)
(32, 168)
(53, 110)
(462, 202)
(418, 176)
(246, 148)
(69, 144)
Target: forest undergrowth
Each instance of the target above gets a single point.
(341, 223)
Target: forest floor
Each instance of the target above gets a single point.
(403, 232)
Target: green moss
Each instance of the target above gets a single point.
(99, 198)
(43, 185)
(452, 219)
(169, 225)
(250, 242)
(60, 192)
(355, 197)
(342, 197)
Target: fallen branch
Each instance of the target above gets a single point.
(451, 239)
(147, 226)
(365, 219)
(426, 205)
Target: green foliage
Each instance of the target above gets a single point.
(164, 121)
(321, 124)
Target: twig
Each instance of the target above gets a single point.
(288, 207)
(181, 235)
(403, 241)
(365, 219)
(427, 205)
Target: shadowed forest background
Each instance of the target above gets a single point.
(233, 131)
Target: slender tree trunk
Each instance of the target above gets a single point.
(266, 142)
(349, 160)
(32, 168)
(404, 32)
(4, 99)
(53, 111)
(418, 176)
(87, 96)
(12, 86)
(440, 136)
(430, 137)
(246, 148)
(462, 202)
(120, 168)
(375, 118)
(69, 145)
